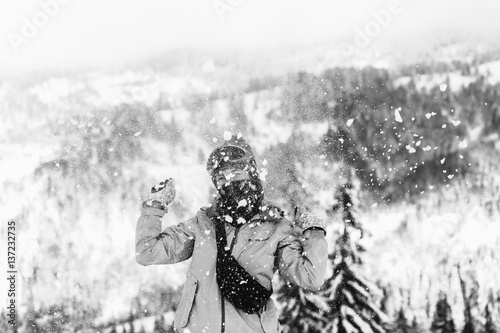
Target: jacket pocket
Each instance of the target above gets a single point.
(188, 295)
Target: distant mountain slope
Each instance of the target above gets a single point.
(80, 152)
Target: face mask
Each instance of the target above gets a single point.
(240, 200)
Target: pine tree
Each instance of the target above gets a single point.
(489, 326)
(415, 327)
(30, 319)
(443, 321)
(347, 292)
(385, 299)
(304, 311)
(470, 294)
(160, 325)
(131, 323)
(401, 323)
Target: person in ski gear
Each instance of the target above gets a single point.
(236, 245)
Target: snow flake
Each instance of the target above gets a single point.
(443, 87)
(241, 220)
(349, 122)
(428, 115)
(214, 139)
(242, 203)
(455, 122)
(207, 232)
(212, 121)
(137, 133)
(444, 126)
(397, 115)
(411, 150)
(426, 148)
(227, 135)
(462, 144)
(442, 161)
(264, 162)
(228, 218)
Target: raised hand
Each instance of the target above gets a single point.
(162, 194)
(307, 220)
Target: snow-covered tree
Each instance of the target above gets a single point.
(131, 323)
(347, 292)
(401, 323)
(304, 311)
(470, 294)
(161, 327)
(415, 326)
(443, 319)
(489, 326)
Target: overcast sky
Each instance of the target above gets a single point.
(102, 32)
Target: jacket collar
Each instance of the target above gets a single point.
(270, 213)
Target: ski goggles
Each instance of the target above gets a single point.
(229, 157)
(228, 175)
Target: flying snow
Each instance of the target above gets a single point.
(398, 115)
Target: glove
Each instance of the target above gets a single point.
(306, 220)
(162, 194)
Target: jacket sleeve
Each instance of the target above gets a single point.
(154, 247)
(302, 258)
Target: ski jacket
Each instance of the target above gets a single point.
(261, 247)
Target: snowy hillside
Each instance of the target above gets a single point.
(79, 153)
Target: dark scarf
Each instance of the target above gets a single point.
(239, 201)
(235, 283)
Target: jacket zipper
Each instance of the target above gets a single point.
(223, 310)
